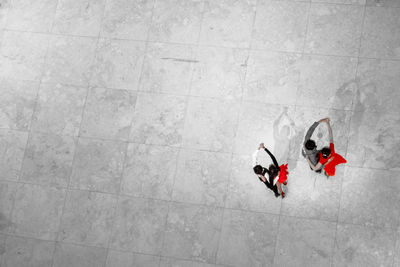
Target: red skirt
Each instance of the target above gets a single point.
(283, 174)
(330, 168)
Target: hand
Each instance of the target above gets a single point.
(324, 119)
(261, 146)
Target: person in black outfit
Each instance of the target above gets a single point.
(272, 171)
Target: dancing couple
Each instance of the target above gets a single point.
(326, 160)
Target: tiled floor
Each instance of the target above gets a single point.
(127, 127)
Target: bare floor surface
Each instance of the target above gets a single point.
(127, 128)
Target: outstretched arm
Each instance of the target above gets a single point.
(272, 157)
(330, 131)
(310, 131)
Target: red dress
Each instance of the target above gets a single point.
(337, 159)
(283, 174)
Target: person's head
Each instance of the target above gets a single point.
(258, 169)
(310, 144)
(325, 152)
(273, 170)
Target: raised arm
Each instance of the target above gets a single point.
(310, 132)
(272, 157)
(330, 131)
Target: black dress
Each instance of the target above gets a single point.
(270, 182)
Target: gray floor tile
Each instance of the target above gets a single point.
(192, 232)
(363, 246)
(176, 21)
(200, 179)
(22, 55)
(79, 17)
(149, 171)
(23, 252)
(8, 192)
(48, 159)
(98, 165)
(220, 72)
(87, 218)
(67, 255)
(12, 145)
(127, 19)
(69, 60)
(159, 119)
(167, 68)
(334, 29)
(129, 259)
(280, 25)
(210, 124)
(228, 23)
(304, 242)
(369, 201)
(117, 64)
(381, 37)
(247, 239)
(139, 225)
(272, 77)
(37, 211)
(59, 109)
(169, 262)
(108, 113)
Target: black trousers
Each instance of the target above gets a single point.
(272, 187)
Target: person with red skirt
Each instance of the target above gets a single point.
(328, 158)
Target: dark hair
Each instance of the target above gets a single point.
(258, 169)
(326, 151)
(273, 170)
(310, 144)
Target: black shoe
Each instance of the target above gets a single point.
(318, 171)
(277, 195)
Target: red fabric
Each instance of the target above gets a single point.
(337, 159)
(283, 173)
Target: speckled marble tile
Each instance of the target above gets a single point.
(334, 29)
(139, 225)
(220, 72)
(69, 59)
(79, 17)
(7, 197)
(167, 68)
(396, 259)
(368, 201)
(170, 262)
(200, 178)
(306, 116)
(378, 86)
(363, 246)
(280, 25)
(272, 77)
(68, 255)
(4, 7)
(247, 239)
(98, 165)
(118, 64)
(381, 35)
(246, 191)
(17, 103)
(24, 252)
(210, 124)
(346, 2)
(312, 195)
(374, 140)
(176, 21)
(127, 19)
(12, 148)
(192, 232)
(87, 218)
(59, 109)
(108, 113)
(129, 259)
(37, 211)
(271, 124)
(385, 3)
(304, 242)
(228, 22)
(158, 119)
(22, 55)
(35, 16)
(315, 91)
(48, 159)
(149, 171)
